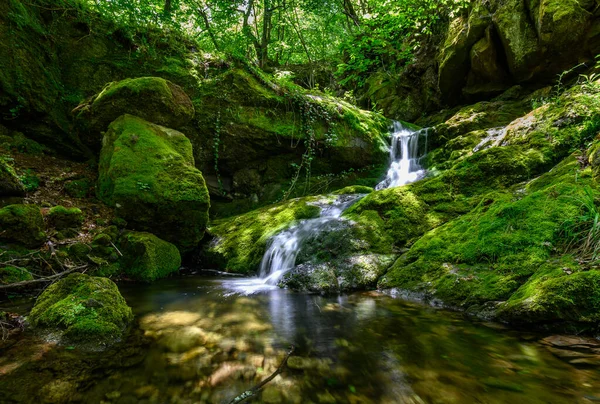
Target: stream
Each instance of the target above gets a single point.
(207, 340)
(199, 341)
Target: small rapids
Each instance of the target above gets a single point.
(407, 149)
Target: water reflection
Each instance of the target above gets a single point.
(202, 340)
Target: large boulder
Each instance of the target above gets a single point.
(152, 98)
(147, 172)
(23, 224)
(147, 258)
(519, 38)
(463, 33)
(82, 309)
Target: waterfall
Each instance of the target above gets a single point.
(280, 257)
(408, 147)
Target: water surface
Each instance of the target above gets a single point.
(201, 340)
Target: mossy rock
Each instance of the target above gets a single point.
(513, 247)
(147, 258)
(239, 242)
(82, 309)
(151, 98)
(22, 224)
(13, 275)
(79, 188)
(10, 185)
(62, 218)
(354, 189)
(147, 172)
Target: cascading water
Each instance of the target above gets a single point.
(405, 156)
(406, 151)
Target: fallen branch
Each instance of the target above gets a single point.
(254, 390)
(42, 280)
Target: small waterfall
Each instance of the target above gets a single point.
(280, 257)
(408, 147)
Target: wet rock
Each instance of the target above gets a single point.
(169, 319)
(59, 391)
(182, 339)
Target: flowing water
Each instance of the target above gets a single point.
(200, 343)
(407, 148)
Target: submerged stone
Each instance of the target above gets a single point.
(82, 309)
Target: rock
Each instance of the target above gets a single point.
(151, 98)
(22, 224)
(179, 340)
(148, 258)
(561, 25)
(13, 275)
(62, 218)
(147, 172)
(62, 309)
(519, 39)
(59, 392)
(487, 76)
(454, 56)
(10, 185)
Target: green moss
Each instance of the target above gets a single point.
(152, 98)
(22, 224)
(13, 275)
(487, 254)
(240, 242)
(62, 218)
(84, 309)
(148, 258)
(79, 188)
(354, 189)
(148, 173)
(10, 184)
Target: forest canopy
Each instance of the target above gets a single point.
(352, 37)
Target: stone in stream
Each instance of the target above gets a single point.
(82, 309)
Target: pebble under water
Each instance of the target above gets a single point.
(197, 340)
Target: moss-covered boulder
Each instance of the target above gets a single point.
(147, 172)
(147, 258)
(23, 224)
(62, 218)
(514, 247)
(82, 309)
(13, 274)
(10, 185)
(151, 98)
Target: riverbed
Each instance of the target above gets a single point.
(201, 339)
